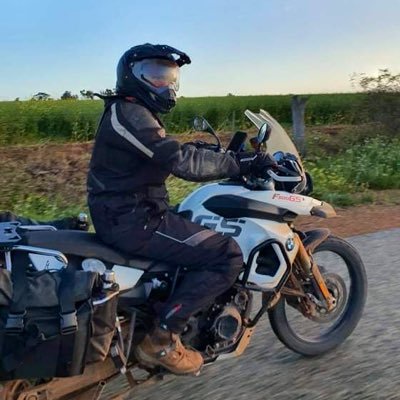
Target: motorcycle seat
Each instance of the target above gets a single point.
(86, 245)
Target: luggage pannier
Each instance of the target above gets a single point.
(52, 322)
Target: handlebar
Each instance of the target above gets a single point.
(235, 145)
(256, 180)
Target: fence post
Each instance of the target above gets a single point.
(298, 109)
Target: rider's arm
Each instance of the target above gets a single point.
(203, 165)
(137, 127)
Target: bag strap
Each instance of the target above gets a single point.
(15, 320)
(66, 295)
(68, 320)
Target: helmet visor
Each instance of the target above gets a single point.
(157, 73)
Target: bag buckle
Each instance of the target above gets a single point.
(15, 323)
(68, 323)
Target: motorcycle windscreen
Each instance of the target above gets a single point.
(279, 139)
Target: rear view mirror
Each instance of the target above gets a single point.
(264, 133)
(201, 124)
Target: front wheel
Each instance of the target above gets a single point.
(344, 273)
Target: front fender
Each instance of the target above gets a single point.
(314, 238)
(325, 210)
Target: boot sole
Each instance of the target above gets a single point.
(152, 362)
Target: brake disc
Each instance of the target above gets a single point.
(338, 290)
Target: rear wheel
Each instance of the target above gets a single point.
(345, 276)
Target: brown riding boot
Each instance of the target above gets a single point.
(164, 348)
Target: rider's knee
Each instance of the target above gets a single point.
(235, 258)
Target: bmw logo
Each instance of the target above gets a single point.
(290, 244)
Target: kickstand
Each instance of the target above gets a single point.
(131, 380)
(120, 362)
(99, 390)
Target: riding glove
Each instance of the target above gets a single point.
(255, 163)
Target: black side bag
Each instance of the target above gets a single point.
(103, 328)
(46, 322)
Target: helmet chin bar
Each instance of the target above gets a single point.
(162, 102)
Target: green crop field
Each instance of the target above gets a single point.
(349, 160)
(25, 122)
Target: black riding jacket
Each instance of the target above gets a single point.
(132, 154)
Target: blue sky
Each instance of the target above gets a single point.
(240, 47)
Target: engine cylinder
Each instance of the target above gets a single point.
(228, 323)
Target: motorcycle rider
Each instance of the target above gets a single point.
(128, 201)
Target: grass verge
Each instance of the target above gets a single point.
(49, 181)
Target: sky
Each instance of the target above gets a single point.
(240, 47)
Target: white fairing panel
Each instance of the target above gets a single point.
(298, 204)
(251, 232)
(126, 277)
(259, 231)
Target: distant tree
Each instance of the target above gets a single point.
(108, 92)
(87, 93)
(67, 95)
(16, 99)
(384, 82)
(382, 103)
(230, 95)
(41, 96)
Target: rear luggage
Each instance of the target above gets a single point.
(52, 322)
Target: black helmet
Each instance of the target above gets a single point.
(290, 175)
(150, 73)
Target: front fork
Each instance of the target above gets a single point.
(313, 273)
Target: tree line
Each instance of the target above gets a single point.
(382, 103)
(68, 95)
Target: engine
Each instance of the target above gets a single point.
(228, 323)
(220, 326)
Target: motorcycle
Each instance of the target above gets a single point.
(312, 285)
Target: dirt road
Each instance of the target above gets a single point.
(365, 367)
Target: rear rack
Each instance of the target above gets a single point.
(10, 241)
(38, 228)
(8, 234)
